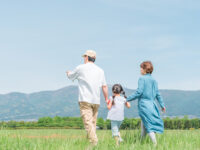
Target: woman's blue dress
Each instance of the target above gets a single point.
(146, 94)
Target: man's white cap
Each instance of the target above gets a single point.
(90, 53)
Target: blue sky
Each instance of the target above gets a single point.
(40, 40)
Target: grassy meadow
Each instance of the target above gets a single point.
(60, 139)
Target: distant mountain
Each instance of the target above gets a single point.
(64, 102)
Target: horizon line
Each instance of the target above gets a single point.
(109, 85)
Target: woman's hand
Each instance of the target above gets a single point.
(164, 110)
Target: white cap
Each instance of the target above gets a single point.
(90, 53)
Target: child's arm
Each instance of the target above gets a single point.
(128, 105)
(109, 105)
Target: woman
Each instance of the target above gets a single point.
(146, 94)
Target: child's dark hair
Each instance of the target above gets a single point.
(117, 89)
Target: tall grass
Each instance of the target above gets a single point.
(76, 140)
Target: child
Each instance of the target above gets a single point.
(116, 111)
(146, 94)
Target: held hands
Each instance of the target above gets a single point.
(109, 104)
(107, 101)
(128, 105)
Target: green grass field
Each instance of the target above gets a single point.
(76, 140)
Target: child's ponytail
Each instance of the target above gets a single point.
(113, 100)
(124, 93)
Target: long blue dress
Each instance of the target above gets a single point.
(146, 94)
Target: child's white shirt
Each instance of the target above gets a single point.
(117, 110)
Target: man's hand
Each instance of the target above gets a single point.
(67, 73)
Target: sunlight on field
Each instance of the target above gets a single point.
(76, 140)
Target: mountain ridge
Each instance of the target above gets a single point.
(64, 102)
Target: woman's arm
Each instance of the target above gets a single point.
(159, 98)
(138, 92)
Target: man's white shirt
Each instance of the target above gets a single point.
(90, 78)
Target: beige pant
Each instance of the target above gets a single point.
(89, 114)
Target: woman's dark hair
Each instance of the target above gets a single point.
(117, 89)
(92, 59)
(147, 66)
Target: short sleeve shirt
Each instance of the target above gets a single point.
(116, 112)
(90, 79)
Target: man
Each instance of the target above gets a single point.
(90, 80)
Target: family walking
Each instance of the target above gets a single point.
(91, 80)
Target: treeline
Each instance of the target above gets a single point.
(175, 123)
(76, 123)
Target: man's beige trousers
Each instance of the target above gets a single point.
(89, 114)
